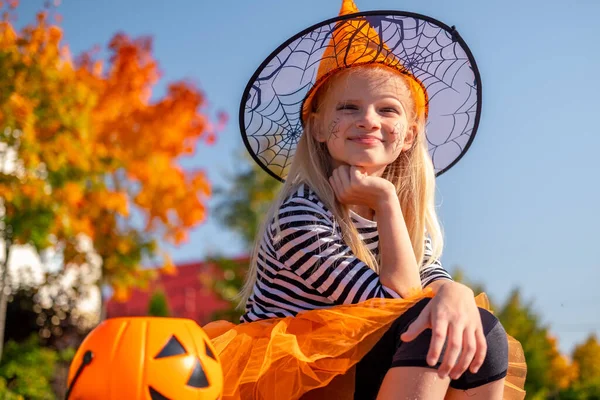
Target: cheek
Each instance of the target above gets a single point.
(333, 128)
(397, 134)
(400, 126)
(397, 129)
(336, 126)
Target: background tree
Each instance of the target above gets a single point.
(226, 282)
(523, 323)
(28, 370)
(85, 154)
(158, 305)
(244, 204)
(32, 371)
(241, 208)
(50, 310)
(586, 356)
(32, 110)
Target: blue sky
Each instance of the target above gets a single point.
(520, 209)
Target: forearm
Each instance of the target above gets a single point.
(398, 270)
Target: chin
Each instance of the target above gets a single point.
(368, 165)
(368, 162)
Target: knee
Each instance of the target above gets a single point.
(495, 365)
(496, 340)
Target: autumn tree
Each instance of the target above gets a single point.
(587, 358)
(226, 282)
(141, 143)
(36, 90)
(548, 371)
(86, 155)
(243, 206)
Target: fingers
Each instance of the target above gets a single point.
(469, 346)
(417, 326)
(341, 184)
(439, 330)
(356, 173)
(453, 348)
(344, 176)
(353, 186)
(481, 351)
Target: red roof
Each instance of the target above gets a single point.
(186, 294)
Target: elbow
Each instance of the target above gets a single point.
(409, 291)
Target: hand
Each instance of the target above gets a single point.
(354, 187)
(452, 313)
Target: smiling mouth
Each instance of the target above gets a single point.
(365, 140)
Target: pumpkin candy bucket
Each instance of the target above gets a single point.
(142, 358)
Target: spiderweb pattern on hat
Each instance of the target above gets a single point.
(270, 112)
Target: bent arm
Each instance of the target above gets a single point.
(398, 269)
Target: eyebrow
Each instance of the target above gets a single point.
(386, 98)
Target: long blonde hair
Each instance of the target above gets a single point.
(412, 173)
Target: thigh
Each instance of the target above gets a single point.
(414, 353)
(495, 365)
(371, 370)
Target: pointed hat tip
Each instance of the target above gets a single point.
(348, 7)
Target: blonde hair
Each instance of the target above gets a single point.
(412, 174)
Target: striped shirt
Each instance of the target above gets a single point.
(310, 266)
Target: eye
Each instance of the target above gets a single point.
(172, 348)
(197, 379)
(390, 110)
(209, 351)
(345, 106)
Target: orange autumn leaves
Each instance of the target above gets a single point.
(94, 153)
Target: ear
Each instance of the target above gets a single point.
(409, 137)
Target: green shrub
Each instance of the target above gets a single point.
(158, 306)
(27, 371)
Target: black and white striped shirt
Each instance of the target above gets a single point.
(311, 267)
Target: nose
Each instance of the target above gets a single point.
(368, 120)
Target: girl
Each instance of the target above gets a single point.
(345, 291)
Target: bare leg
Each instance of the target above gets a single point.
(492, 391)
(413, 383)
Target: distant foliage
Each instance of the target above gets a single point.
(158, 305)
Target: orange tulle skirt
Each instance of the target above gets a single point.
(312, 355)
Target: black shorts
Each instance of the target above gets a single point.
(391, 352)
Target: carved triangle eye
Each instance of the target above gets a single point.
(198, 378)
(209, 351)
(155, 395)
(172, 348)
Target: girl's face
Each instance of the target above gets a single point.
(364, 121)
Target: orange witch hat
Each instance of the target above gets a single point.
(355, 42)
(435, 60)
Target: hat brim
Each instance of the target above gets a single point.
(271, 108)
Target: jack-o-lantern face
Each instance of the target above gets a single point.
(146, 359)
